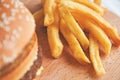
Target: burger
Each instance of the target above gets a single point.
(20, 56)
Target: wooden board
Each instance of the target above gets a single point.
(66, 67)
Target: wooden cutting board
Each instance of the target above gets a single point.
(66, 67)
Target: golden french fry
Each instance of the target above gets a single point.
(98, 2)
(103, 24)
(49, 9)
(95, 57)
(74, 27)
(39, 17)
(77, 51)
(99, 35)
(55, 43)
(91, 5)
(96, 31)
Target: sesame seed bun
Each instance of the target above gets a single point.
(17, 27)
(18, 41)
(26, 65)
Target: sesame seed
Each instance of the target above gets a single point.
(11, 18)
(15, 33)
(7, 28)
(13, 38)
(20, 17)
(9, 59)
(6, 21)
(3, 15)
(6, 5)
(18, 4)
(5, 43)
(13, 12)
(19, 28)
(5, 18)
(10, 45)
(27, 18)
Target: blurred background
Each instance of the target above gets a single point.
(112, 5)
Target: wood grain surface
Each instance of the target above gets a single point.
(66, 67)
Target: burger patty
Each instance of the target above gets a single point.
(36, 65)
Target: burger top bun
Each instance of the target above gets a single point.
(17, 27)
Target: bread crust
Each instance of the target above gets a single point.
(17, 27)
(24, 64)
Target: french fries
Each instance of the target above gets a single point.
(95, 57)
(74, 27)
(99, 35)
(96, 32)
(91, 5)
(105, 26)
(77, 51)
(49, 9)
(82, 25)
(55, 43)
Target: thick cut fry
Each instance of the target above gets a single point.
(74, 27)
(95, 57)
(91, 5)
(99, 36)
(49, 9)
(98, 2)
(77, 51)
(39, 17)
(105, 26)
(95, 31)
(55, 43)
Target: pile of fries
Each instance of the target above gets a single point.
(82, 25)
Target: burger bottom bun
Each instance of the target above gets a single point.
(31, 74)
(25, 63)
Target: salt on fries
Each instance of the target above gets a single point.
(83, 27)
